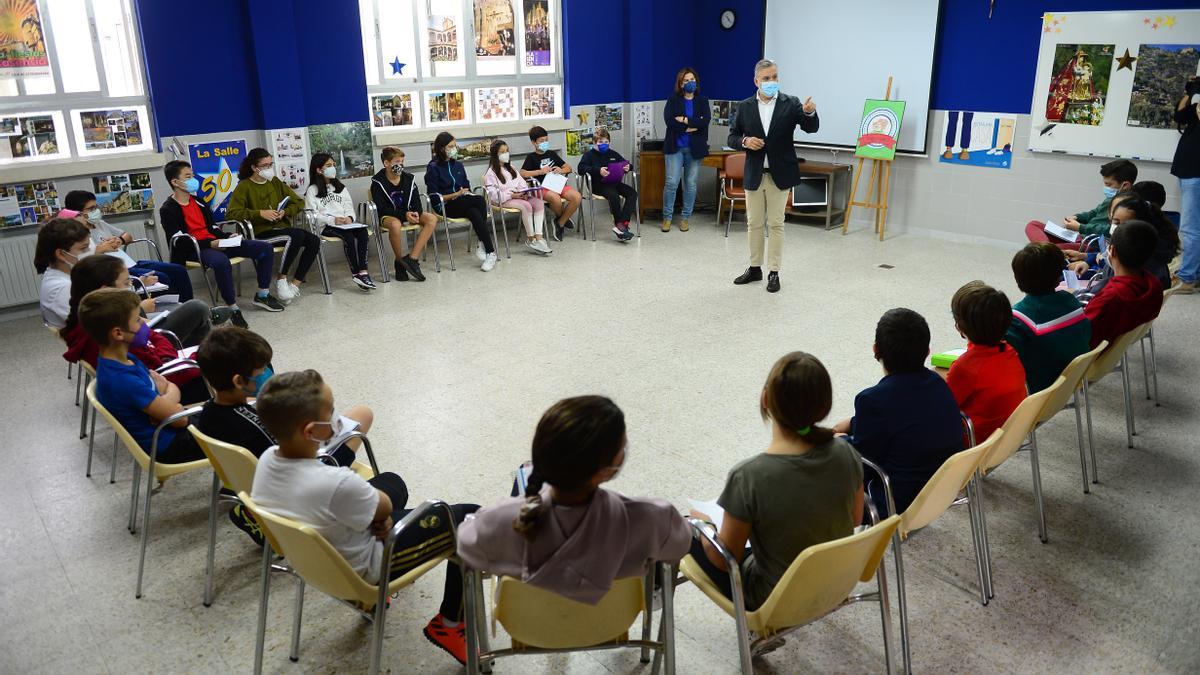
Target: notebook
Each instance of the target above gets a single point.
(616, 171)
(230, 242)
(1061, 232)
(710, 509)
(554, 182)
(946, 358)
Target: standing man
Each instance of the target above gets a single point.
(765, 125)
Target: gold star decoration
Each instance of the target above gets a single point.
(1126, 61)
(1169, 21)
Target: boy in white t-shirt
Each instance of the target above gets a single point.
(353, 514)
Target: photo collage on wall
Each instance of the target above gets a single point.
(495, 103)
(110, 129)
(609, 116)
(1159, 70)
(290, 149)
(445, 107)
(539, 101)
(123, 192)
(392, 110)
(579, 141)
(27, 203)
(32, 136)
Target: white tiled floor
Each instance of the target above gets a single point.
(460, 368)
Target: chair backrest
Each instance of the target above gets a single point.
(135, 449)
(1073, 380)
(1107, 360)
(735, 166)
(311, 556)
(1017, 427)
(822, 576)
(943, 487)
(547, 620)
(234, 464)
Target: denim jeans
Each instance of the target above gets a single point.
(1189, 228)
(679, 165)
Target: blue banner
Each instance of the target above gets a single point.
(215, 166)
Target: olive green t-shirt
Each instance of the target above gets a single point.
(791, 502)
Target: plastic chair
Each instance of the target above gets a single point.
(198, 263)
(1066, 395)
(731, 186)
(1151, 368)
(818, 582)
(941, 491)
(148, 463)
(1113, 359)
(540, 621)
(593, 197)
(494, 207)
(316, 562)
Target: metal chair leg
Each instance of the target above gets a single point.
(885, 615)
(902, 600)
(91, 444)
(1130, 431)
(322, 267)
(1145, 368)
(112, 469)
(648, 601)
(212, 539)
(976, 538)
(1087, 402)
(145, 527)
(986, 547)
(475, 624)
(133, 496)
(296, 617)
(1079, 439)
(78, 382)
(449, 243)
(1037, 486)
(1154, 365)
(667, 621)
(264, 594)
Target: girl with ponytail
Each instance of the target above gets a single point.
(566, 534)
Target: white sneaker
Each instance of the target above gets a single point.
(541, 245)
(295, 290)
(532, 245)
(480, 253)
(489, 262)
(283, 291)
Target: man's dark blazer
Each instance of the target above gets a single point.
(785, 166)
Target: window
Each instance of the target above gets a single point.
(71, 80)
(447, 63)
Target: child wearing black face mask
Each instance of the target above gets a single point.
(621, 197)
(398, 202)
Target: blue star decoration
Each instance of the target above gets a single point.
(397, 67)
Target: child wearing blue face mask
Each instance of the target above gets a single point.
(1119, 176)
(622, 198)
(543, 161)
(236, 363)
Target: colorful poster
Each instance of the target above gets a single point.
(32, 136)
(22, 41)
(472, 148)
(392, 110)
(28, 203)
(537, 33)
(579, 141)
(880, 129)
(539, 101)
(643, 120)
(1159, 74)
(609, 116)
(349, 143)
(215, 165)
(123, 192)
(1079, 84)
(443, 38)
(495, 104)
(110, 129)
(290, 149)
(445, 107)
(721, 111)
(495, 29)
(978, 139)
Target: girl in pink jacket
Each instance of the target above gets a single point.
(506, 188)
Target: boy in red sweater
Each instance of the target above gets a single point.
(1133, 296)
(988, 381)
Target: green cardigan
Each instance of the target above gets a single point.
(249, 198)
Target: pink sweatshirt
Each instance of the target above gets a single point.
(576, 551)
(501, 190)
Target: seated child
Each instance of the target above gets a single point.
(1048, 327)
(102, 271)
(543, 161)
(566, 534)
(805, 489)
(354, 515)
(61, 244)
(398, 203)
(506, 188)
(1119, 175)
(333, 207)
(450, 194)
(622, 198)
(140, 399)
(908, 423)
(988, 381)
(1091, 265)
(1133, 296)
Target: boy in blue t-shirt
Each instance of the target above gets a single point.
(139, 398)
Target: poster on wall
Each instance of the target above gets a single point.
(1158, 72)
(1079, 84)
(123, 192)
(348, 143)
(536, 15)
(721, 111)
(472, 148)
(643, 120)
(978, 139)
(494, 104)
(215, 165)
(495, 29)
(290, 149)
(879, 130)
(539, 102)
(28, 137)
(579, 141)
(445, 107)
(609, 116)
(443, 26)
(27, 203)
(110, 129)
(22, 41)
(393, 110)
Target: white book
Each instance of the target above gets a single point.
(342, 428)
(1072, 280)
(157, 287)
(230, 242)
(554, 182)
(349, 226)
(1061, 232)
(157, 318)
(710, 509)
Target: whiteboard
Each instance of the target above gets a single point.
(1119, 134)
(841, 54)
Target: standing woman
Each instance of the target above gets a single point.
(687, 115)
(446, 177)
(333, 208)
(257, 198)
(1187, 168)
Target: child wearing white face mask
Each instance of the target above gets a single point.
(333, 207)
(506, 188)
(61, 243)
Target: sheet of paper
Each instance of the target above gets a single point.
(1061, 232)
(159, 287)
(171, 299)
(124, 257)
(157, 318)
(350, 226)
(230, 242)
(1072, 280)
(188, 352)
(710, 509)
(554, 182)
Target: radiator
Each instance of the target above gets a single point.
(18, 280)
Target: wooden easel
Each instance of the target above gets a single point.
(879, 184)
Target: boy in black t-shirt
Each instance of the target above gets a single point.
(542, 161)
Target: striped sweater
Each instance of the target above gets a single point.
(1048, 331)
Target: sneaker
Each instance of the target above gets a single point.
(666, 226)
(558, 231)
(626, 233)
(246, 523)
(569, 225)
(532, 246)
(283, 291)
(480, 253)
(361, 282)
(617, 230)
(219, 315)
(401, 271)
(489, 262)
(542, 246)
(683, 225)
(295, 290)
(268, 302)
(1185, 288)
(413, 267)
(236, 318)
(453, 640)
(773, 282)
(366, 277)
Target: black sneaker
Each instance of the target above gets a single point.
(369, 281)
(361, 282)
(569, 225)
(413, 267)
(246, 523)
(558, 231)
(773, 282)
(236, 318)
(268, 302)
(219, 315)
(751, 274)
(401, 273)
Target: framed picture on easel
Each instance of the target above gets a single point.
(879, 131)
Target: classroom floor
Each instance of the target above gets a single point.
(460, 368)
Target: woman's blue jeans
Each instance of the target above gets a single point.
(680, 165)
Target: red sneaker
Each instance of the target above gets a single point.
(453, 640)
